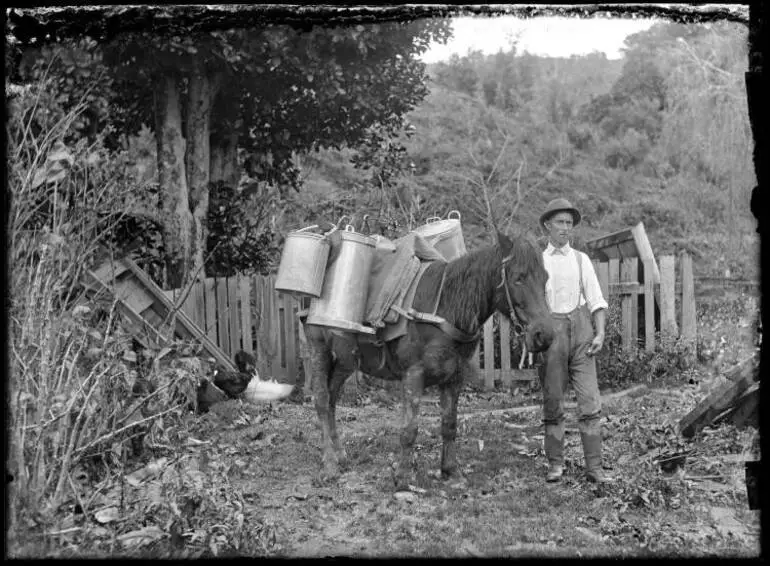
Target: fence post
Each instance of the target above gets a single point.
(603, 275)
(232, 304)
(649, 306)
(688, 298)
(505, 350)
(668, 326)
(489, 354)
(209, 292)
(244, 292)
(627, 275)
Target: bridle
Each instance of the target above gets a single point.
(518, 329)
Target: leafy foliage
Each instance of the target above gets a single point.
(240, 237)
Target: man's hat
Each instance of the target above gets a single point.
(560, 205)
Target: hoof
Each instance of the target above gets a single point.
(342, 458)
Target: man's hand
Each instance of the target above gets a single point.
(596, 345)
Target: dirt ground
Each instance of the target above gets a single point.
(245, 480)
(506, 509)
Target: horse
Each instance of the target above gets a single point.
(507, 277)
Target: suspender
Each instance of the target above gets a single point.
(580, 277)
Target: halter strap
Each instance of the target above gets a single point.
(518, 329)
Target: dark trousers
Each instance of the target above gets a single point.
(566, 363)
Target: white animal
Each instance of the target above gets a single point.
(263, 391)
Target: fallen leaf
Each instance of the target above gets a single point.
(107, 515)
(150, 470)
(590, 534)
(407, 496)
(141, 537)
(471, 549)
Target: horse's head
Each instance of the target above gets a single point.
(520, 295)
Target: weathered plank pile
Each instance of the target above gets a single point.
(735, 401)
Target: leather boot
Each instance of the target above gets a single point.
(554, 451)
(590, 434)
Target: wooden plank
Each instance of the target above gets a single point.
(110, 270)
(489, 354)
(210, 292)
(234, 311)
(523, 374)
(649, 307)
(633, 264)
(131, 291)
(223, 334)
(182, 321)
(743, 368)
(259, 326)
(688, 298)
(627, 273)
(244, 297)
(613, 269)
(505, 350)
(668, 326)
(610, 240)
(198, 304)
(627, 287)
(273, 329)
(713, 405)
(746, 410)
(645, 249)
(603, 275)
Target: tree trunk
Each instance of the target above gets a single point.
(202, 90)
(175, 211)
(224, 159)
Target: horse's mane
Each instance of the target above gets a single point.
(470, 281)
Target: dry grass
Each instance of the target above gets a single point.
(74, 401)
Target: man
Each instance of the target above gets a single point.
(575, 298)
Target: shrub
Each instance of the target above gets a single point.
(617, 366)
(74, 393)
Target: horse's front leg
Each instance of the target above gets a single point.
(450, 393)
(412, 388)
(338, 379)
(321, 367)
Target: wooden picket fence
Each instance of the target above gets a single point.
(248, 313)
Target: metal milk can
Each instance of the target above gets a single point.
(343, 299)
(444, 235)
(303, 263)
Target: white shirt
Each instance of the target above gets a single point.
(562, 290)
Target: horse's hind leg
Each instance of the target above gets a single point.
(412, 386)
(337, 380)
(450, 393)
(322, 366)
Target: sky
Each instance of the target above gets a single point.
(543, 35)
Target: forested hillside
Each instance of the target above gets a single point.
(660, 136)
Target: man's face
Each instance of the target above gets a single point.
(559, 227)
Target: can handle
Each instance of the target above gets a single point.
(307, 228)
(432, 219)
(457, 212)
(339, 222)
